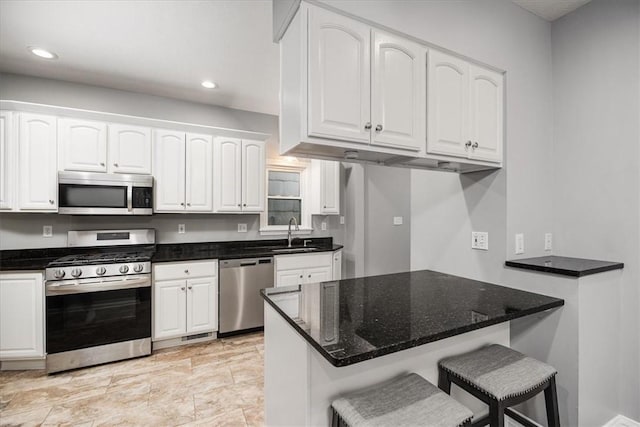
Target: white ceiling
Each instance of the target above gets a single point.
(551, 9)
(159, 47)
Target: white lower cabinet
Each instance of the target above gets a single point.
(185, 298)
(291, 270)
(21, 316)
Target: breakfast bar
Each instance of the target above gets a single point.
(325, 339)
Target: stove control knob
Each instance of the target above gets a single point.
(138, 268)
(124, 269)
(58, 274)
(76, 272)
(100, 271)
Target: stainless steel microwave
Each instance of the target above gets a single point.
(86, 193)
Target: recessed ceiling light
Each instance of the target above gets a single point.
(42, 53)
(209, 84)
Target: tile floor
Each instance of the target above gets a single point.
(219, 383)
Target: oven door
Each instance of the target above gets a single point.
(84, 314)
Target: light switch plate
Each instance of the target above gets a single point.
(397, 220)
(519, 244)
(181, 229)
(341, 220)
(242, 228)
(47, 231)
(548, 242)
(323, 226)
(480, 240)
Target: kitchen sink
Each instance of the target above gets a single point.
(295, 250)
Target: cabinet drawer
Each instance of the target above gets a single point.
(288, 262)
(185, 270)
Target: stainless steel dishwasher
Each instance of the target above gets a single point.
(240, 304)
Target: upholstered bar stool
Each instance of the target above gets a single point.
(409, 400)
(501, 377)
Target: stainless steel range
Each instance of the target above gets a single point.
(98, 301)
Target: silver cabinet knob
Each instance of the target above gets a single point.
(244, 204)
(181, 203)
(188, 204)
(379, 128)
(475, 145)
(239, 205)
(101, 163)
(325, 206)
(115, 164)
(309, 276)
(467, 144)
(301, 276)
(50, 202)
(186, 272)
(182, 288)
(190, 287)
(367, 126)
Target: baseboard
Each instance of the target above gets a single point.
(176, 342)
(20, 365)
(622, 421)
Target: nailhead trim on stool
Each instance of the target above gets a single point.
(501, 377)
(409, 400)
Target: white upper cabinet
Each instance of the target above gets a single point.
(82, 145)
(465, 109)
(7, 161)
(325, 181)
(37, 172)
(339, 77)
(448, 109)
(199, 173)
(169, 167)
(239, 175)
(129, 149)
(398, 92)
(253, 176)
(486, 114)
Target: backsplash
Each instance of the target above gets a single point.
(24, 231)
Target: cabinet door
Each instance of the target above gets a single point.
(7, 167)
(339, 77)
(227, 175)
(129, 149)
(318, 274)
(289, 277)
(202, 304)
(37, 173)
(253, 176)
(199, 173)
(448, 109)
(486, 114)
(168, 164)
(398, 96)
(21, 316)
(337, 265)
(82, 145)
(169, 309)
(330, 187)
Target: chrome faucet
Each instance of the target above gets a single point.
(293, 218)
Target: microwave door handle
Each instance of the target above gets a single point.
(129, 198)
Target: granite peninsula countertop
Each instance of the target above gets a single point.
(566, 266)
(353, 320)
(38, 259)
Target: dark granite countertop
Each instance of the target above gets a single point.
(353, 320)
(574, 267)
(38, 259)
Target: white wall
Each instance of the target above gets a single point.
(596, 72)
(19, 231)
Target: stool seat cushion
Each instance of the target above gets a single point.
(409, 400)
(498, 371)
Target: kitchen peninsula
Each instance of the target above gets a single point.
(324, 339)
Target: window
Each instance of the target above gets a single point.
(285, 199)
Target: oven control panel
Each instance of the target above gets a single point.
(88, 271)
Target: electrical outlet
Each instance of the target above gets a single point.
(181, 229)
(519, 243)
(323, 226)
(548, 242)
(397, 220)
(242, 228)
(47, 231)
(480, 240)
(341, 220)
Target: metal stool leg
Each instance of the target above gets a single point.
(551, 403)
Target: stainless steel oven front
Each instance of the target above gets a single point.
(97, 320)
(86, 193)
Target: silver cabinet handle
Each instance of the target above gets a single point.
(475, 145)
(182, 204)
(325, 206)
(186, 272)
(244, 204)
(190, 287)
(467, 144)
(379, 128)
(115, 164)
(50, 202)
(309, 276)
(101, 163)
(188, 204)
(367, 126)
(182, 288)
(301, 276)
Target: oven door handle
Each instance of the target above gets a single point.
(83, 288)
(130, 197)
